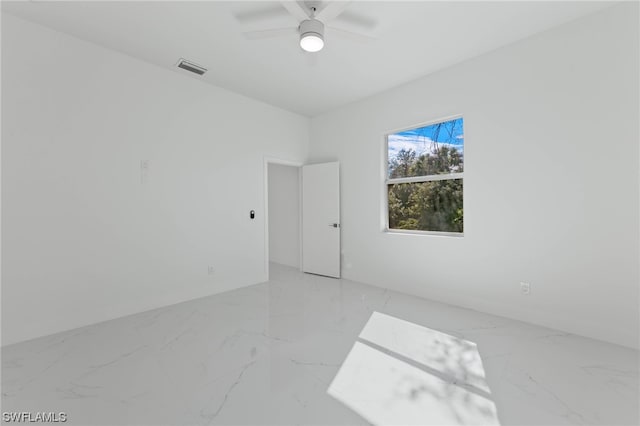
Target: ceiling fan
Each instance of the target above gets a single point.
(313, 17)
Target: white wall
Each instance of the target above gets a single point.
(551, 180)
(83, 239)
(284, 215)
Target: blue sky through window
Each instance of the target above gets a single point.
(450, 133)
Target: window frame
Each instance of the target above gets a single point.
(415, 179)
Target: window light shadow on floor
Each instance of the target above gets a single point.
(399, 372)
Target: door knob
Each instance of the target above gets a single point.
(334, 225)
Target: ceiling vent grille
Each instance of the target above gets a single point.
(191, 67)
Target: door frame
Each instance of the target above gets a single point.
(282, 162)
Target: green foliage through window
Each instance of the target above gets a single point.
(431, 201)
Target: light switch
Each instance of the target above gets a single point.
(144, 171)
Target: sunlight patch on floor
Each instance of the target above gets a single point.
(403, 373)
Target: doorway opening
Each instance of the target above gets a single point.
(283, 216)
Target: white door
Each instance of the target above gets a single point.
(321, 219)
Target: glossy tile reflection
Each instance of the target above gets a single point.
(302, 349)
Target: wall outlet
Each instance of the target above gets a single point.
(212, 270)
(525, 288)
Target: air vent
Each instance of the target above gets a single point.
(191, 67)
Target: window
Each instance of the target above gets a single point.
(425, 170)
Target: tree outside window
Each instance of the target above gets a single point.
(425, 178)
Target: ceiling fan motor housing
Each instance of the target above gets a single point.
(311, 27)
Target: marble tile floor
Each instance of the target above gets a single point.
(303, 349)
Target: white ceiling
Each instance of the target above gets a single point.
(413, 39)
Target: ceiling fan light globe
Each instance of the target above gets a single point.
(311, 42)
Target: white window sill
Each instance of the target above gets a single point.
(424, 233)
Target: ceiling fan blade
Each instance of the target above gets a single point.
(264, 14)
(296, 9)
(275, 32)
(356, 20)
(331, 10)
(352, 35)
